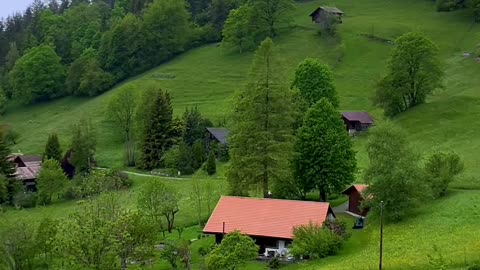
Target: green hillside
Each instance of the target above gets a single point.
(207, 77)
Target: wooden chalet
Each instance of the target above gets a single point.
(216, 135)
(357, 121)
(269, 222)
(27, 169)
(321, 14)
(356, 195)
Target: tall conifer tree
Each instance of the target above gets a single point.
(52, 149)
(157, 128)
(261, 137)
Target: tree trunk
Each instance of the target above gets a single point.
(323, 195)
(123, 263)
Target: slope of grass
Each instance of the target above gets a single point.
(450, 223)
(207, 76)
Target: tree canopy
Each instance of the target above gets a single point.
(38, 76)
(414, 72)
(393, 175)
(315, 81)
(324, 158)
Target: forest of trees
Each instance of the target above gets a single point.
(84, 47)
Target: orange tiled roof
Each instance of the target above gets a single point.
(264, 217)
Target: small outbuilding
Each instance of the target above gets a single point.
(269, 222)
(356, 195)
(357, 121)
(218, 135)
(321, 14)
(27, 169)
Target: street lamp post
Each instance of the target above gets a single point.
(381, 234)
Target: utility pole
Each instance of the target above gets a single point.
(381, 234)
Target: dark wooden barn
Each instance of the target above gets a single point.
(355, 197)
(27, 169)
(357, 121)
(321, 14)
(216, 136)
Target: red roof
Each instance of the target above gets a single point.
(360, 188)
(362, 117)
(264, 217)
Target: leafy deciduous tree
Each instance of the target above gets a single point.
(315, 81)
(37, 76)
(50, 181)
(393, 174)
(121, 110)
(414, 72)
(157, 200)
(324, 157)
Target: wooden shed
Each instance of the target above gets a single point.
(357, 121)
(321, 14)
(355, 197)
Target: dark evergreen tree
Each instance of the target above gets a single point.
(199, 155)
(194, 125)
(6, 166)
(83, 146)
(157, 127)
(52, 149)
(211, 166)
(185, 159)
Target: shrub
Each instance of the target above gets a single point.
(274, 263)
(338, 227)
(440, 169)
(474, 267)
(211, 166)
(25, 200)
(447, 5)
(11, 136)
(314, 241)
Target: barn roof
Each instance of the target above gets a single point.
(264, 217)
(220, 134)
(359, 187)
(362, 117)
(327, 9)
(27, 173)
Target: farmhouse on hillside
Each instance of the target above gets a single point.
(322, 14)
(355, 198)
(269, 222)
(27, 169)
(357, 121)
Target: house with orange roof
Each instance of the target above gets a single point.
(270, 222)
(356, 195)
